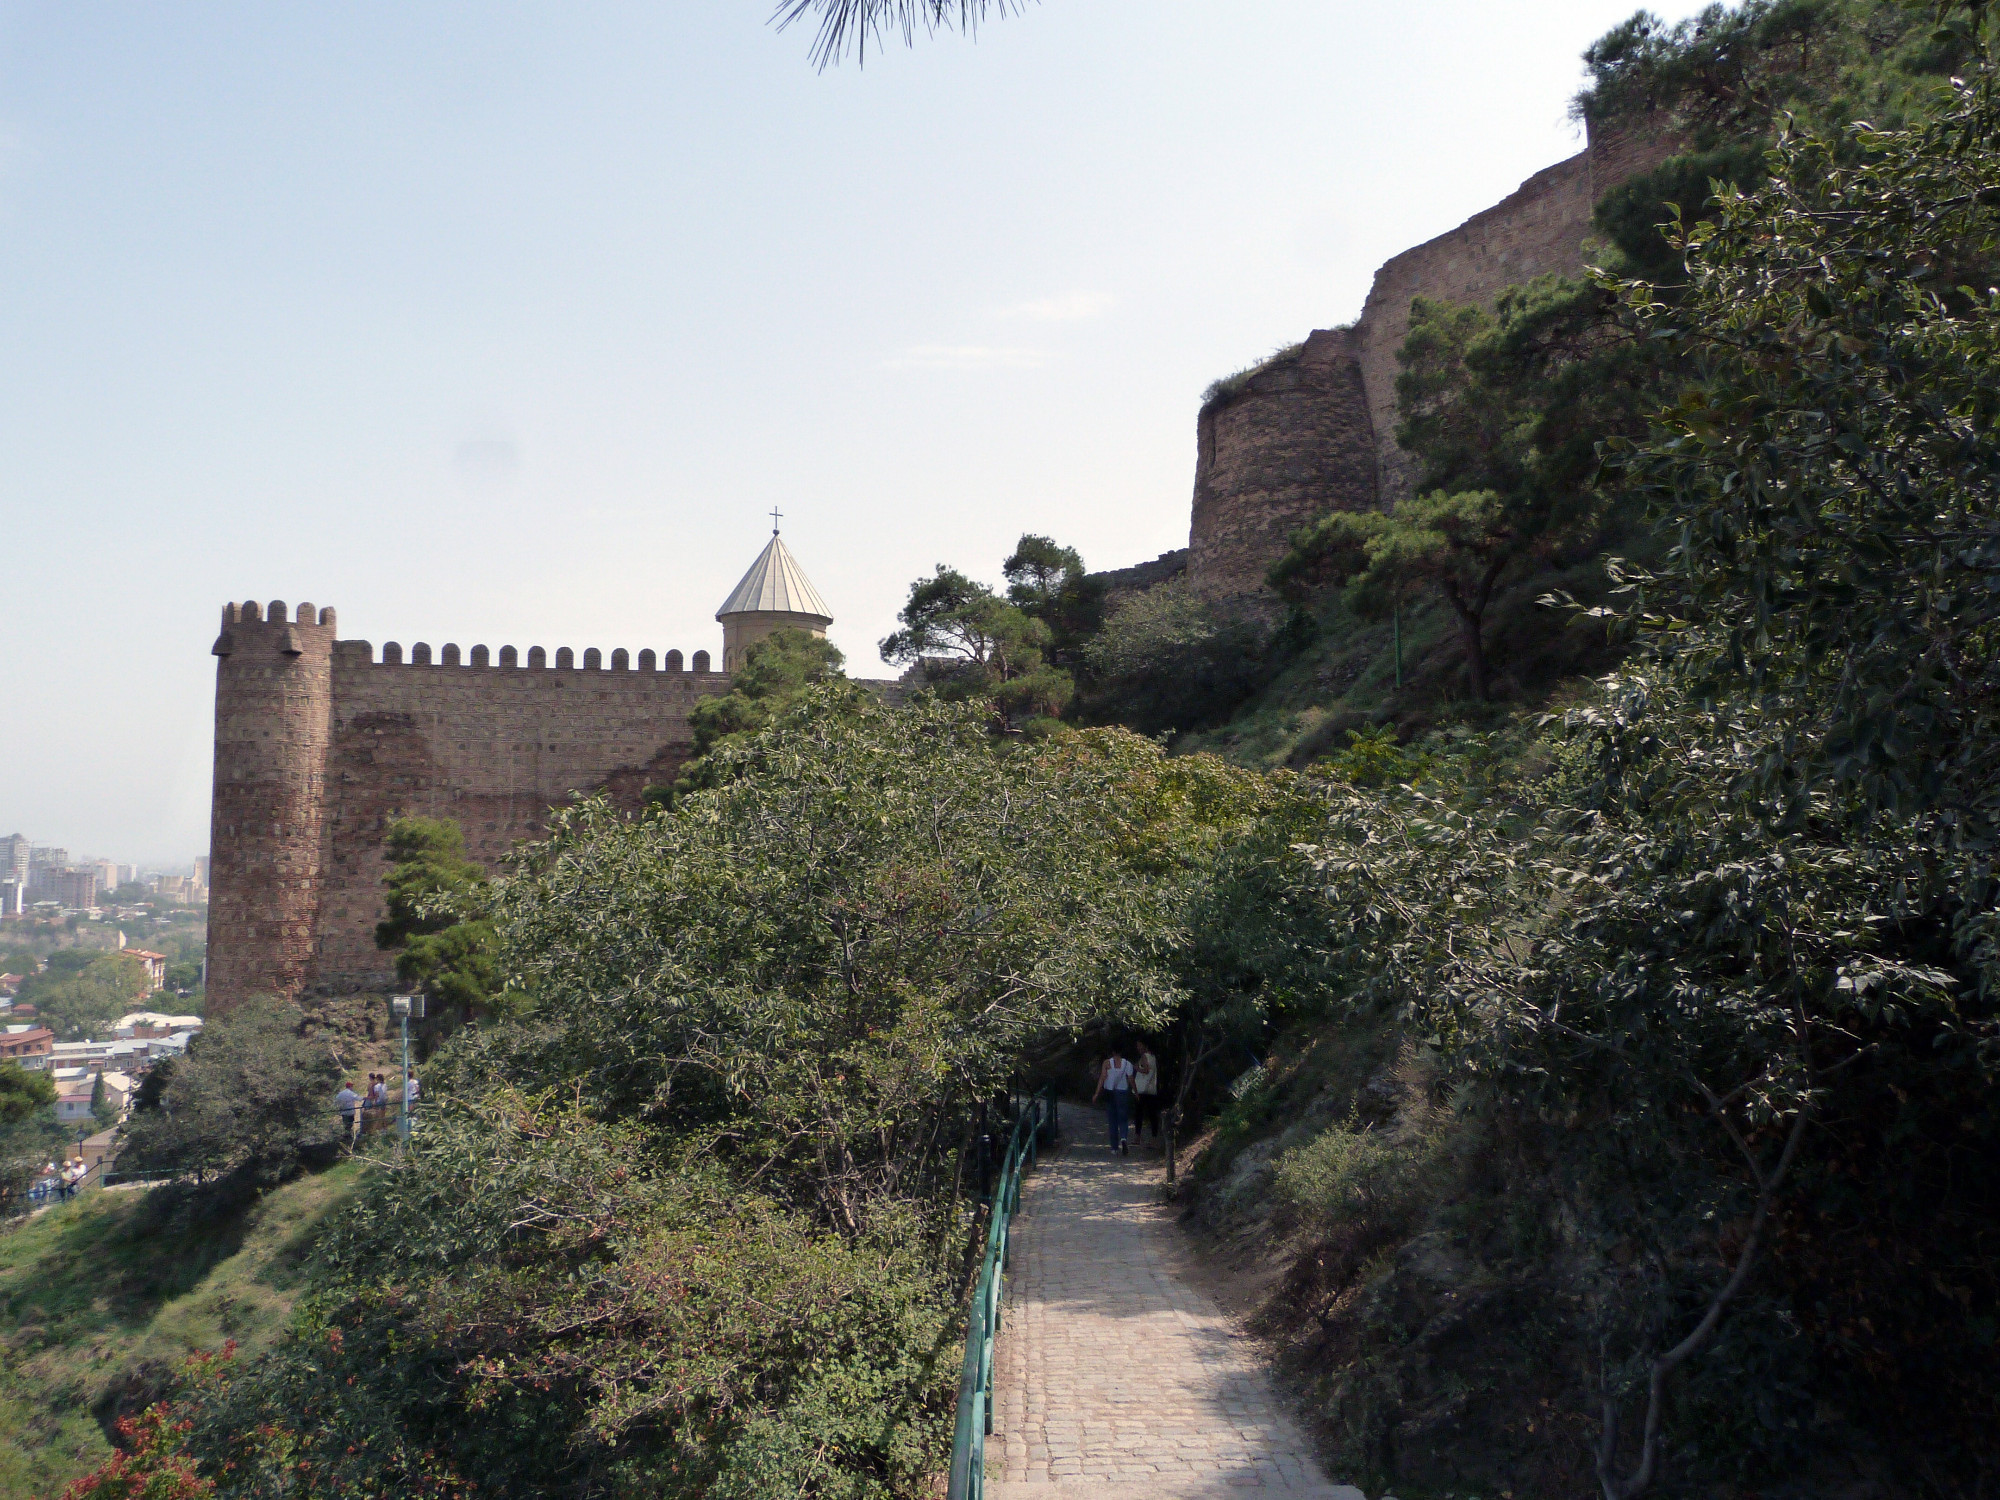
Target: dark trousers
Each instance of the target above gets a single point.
(1145, 1112)
(1116, 1104)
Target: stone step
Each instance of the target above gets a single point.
(1211, 1489)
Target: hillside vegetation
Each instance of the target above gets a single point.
(101, 1302)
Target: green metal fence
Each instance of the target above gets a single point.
(982, 1324)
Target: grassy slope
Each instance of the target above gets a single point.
(95, 1302)
(1346, 678)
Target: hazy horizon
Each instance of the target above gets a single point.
(508, 325)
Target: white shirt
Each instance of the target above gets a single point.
(410, 1092)
(1117, 1076)
(346, 1099)
(1147, 1079)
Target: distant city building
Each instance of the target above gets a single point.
(201, 871)
(14, 852)
(13, 897)
(76, 890)
(46, 856)
(145, 1024)
(107, 874)
(156, 965)
(29, 1046)
(171, 887)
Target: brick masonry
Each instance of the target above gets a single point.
(1300, 439)
(319, 745)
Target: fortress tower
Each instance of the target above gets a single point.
(320, 744)
(774, 594)
(273, 722)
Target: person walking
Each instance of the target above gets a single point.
(347, 1101)
(1114, 1084)
(375, 1109)
(1145, 1094)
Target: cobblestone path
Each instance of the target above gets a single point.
(1114, 1373)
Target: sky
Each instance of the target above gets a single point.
(511, 323)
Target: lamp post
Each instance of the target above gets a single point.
(403, 1007)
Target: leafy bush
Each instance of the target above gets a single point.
(249, 1102)
(1172, 659)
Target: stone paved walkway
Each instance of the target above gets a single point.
(1113, 1369)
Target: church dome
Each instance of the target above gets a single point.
(776, 585)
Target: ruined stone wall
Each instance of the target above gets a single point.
(318, 750)
(1540, 229)
(1293, 442)
(1299, 441)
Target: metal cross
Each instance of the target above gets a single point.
(775, 513)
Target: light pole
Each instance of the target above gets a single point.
(403, 1007)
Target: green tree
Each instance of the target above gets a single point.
(1048, 582)
(102, 1110)
(775, 671)
(29, 1134)
(1170, 659)
(81, 991)
(973, 643)
(446, 947)
(245, 1107)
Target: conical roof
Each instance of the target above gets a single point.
(775, 584)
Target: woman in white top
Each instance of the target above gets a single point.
(1146, 1094)
(1114, 1079)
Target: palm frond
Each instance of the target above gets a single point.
(852, 25)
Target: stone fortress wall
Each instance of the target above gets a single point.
(318, 745)
(1315, 429)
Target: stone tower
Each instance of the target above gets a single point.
(1292, 442)
(273, 725)
(774, 595)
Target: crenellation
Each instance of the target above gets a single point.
(319, 746)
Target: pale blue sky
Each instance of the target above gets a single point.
(509, 322)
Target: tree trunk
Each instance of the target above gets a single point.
(1475, 649)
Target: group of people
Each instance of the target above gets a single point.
(357, 1109)
(1130, 1088)
(59, 1181)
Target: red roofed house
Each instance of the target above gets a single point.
(29, 1046)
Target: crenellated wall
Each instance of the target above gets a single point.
(319, 746)
(1286, 447)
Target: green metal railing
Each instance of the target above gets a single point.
(982, 1324)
